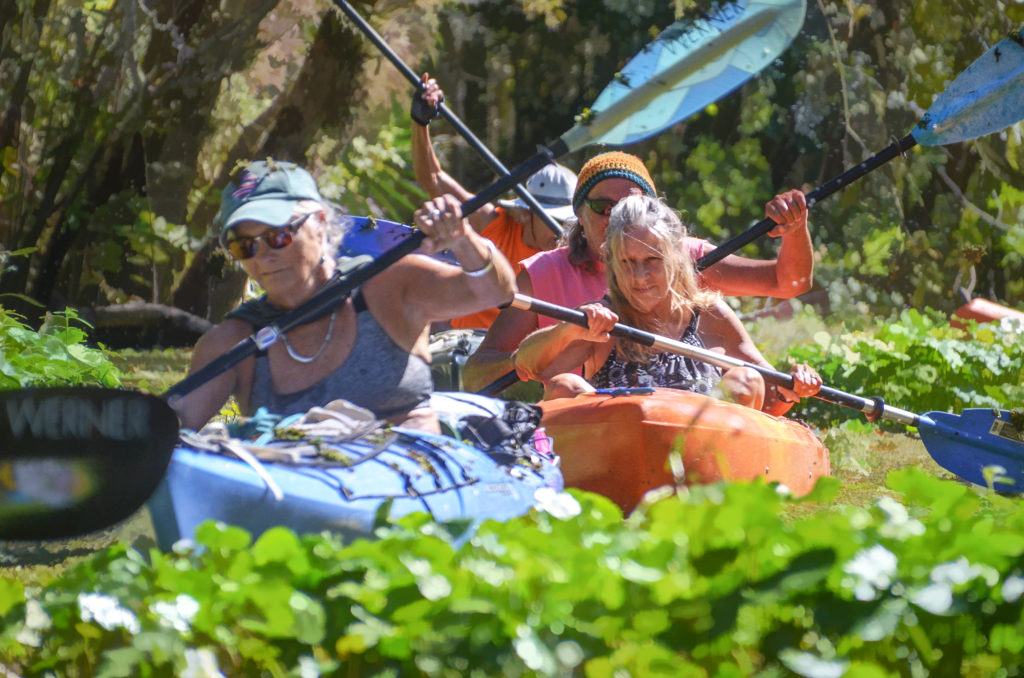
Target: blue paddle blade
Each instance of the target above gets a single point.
(967, 443)
(985, 98)
(695, 62)
(372, 236)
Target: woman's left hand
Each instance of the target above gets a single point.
(806, 382)
(788, 210)
(441, 220)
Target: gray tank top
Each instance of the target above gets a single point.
(378, 375)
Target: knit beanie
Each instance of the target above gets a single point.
(608, 166)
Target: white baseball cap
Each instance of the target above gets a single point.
(552, 186)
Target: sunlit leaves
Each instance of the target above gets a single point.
(713, 580)
(918, 363)
(54, 355)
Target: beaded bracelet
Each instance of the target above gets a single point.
(490, 262)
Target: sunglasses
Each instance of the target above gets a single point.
(244, 247)
(602, 206)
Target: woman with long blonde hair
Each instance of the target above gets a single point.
(652, 285)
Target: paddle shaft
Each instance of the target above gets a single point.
(874, 408)
(899, 147)
(448, 115)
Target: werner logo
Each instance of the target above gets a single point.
(66, 417)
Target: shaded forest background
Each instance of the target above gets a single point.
(120, 120)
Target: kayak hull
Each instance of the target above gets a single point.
(415, 472)
(619, 446)
(983, 311)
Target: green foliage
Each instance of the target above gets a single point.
(918, 363)
(716, 580)
(375, 177)
(56, 355)
(123, 125)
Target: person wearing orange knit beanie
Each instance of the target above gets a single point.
(573, 274)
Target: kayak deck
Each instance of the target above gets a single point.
(406, 472)
(619, 445)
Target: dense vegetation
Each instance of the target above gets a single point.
(121, 122)
(708, 581)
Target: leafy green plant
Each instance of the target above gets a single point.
(713, 580)
(918, 363)
(54, 355)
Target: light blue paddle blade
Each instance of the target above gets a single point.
(985, 98)
(695, 62)
(967, 443)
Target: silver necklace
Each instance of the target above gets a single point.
(308, 359)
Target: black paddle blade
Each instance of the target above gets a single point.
(75, 460)
(968, 443)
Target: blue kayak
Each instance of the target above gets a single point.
(345, 489)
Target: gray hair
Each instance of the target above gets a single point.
(336, 222)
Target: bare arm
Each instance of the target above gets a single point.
(491, 359)
(721, 329)
(197, 407)
(429, 174)
(432, 290)
(565, 346)
(789, 275)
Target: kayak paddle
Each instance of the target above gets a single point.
(447, 114)
(693, 63)
(964, 444)
(750, 33)
(78, 459)
(74, 460)
(985, 98)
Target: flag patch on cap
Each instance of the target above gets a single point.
(246, 186)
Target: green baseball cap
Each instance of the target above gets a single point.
(266, 192)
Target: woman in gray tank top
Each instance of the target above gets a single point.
(372, 349)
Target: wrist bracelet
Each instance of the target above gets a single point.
(490, 262)
(781, 398)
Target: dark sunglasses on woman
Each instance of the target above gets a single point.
(243, 247)
(602, 206)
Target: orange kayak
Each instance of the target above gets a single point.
(618, 446)
(983, 311)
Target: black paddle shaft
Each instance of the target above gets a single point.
(874, 408)
(899, 147)
(448, 115)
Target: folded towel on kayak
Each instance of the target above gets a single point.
(336, 422)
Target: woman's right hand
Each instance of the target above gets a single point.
(426, 102)
(600, 321)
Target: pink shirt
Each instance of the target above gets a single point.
(556, 281)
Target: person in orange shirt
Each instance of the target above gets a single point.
(517, 232)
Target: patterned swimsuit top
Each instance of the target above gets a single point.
(669, 370)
